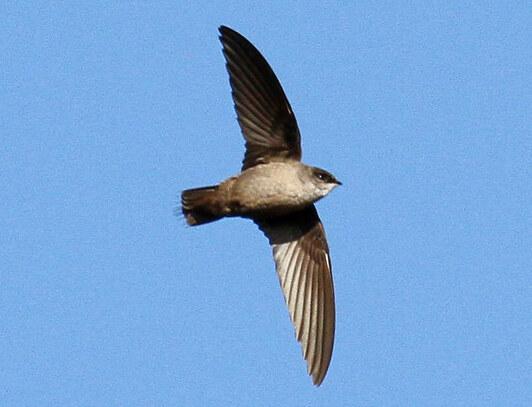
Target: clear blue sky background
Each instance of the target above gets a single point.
(109, 110)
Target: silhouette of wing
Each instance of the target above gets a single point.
(303, 265)
(264, 113)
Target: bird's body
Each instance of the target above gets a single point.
(277, 191)
(276, 188)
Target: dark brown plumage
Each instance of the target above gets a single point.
(264, 113)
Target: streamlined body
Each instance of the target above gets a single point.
(277, 191)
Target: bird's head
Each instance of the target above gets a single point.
(323, 180)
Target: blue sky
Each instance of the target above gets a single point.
(109, 110)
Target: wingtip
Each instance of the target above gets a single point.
(224, 30)
(317, 379)
(225, 33)
(221, 30)
(229, 33)
(318, 375)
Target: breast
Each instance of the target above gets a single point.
(273, 187)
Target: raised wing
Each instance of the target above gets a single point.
(264, 114)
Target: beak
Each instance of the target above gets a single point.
(338, 182)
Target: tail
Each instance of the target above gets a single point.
(201, 205)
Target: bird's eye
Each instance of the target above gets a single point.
(323, 176)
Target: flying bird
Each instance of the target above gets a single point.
(277, 191)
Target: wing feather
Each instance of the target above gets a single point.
(302, 261)
(264, 114)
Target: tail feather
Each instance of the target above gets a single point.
(200, 205)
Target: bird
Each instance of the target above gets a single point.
(276, 191)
